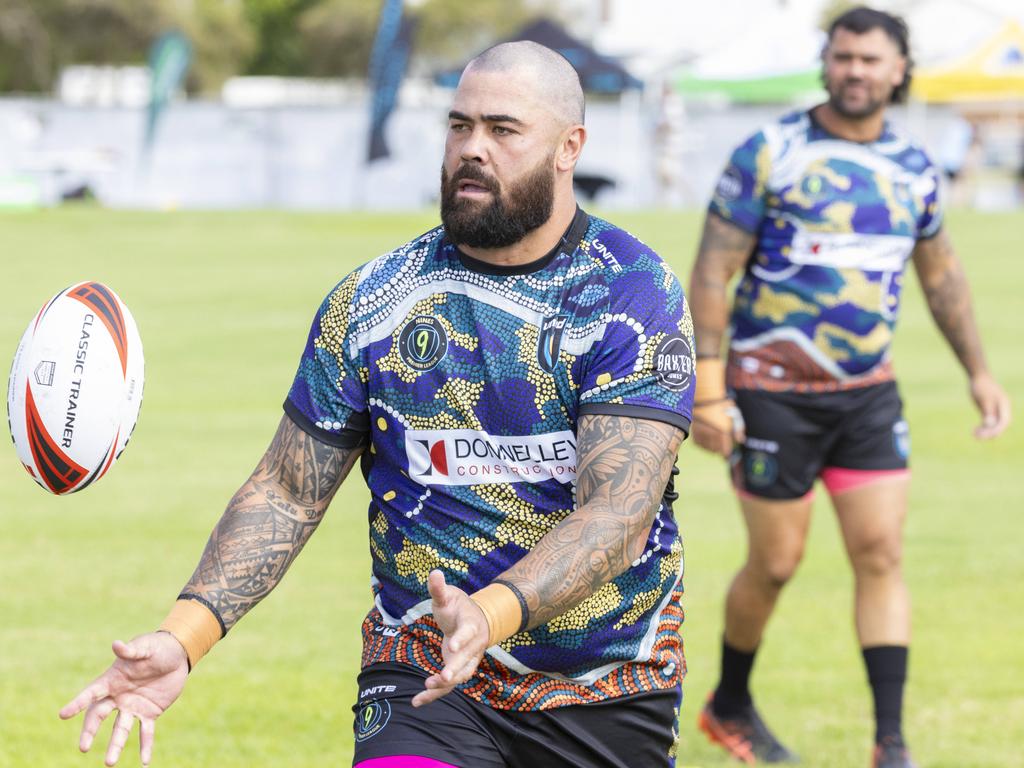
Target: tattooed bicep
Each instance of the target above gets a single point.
(934, 256)
(629, 459)
(725, 242)
(309, 470)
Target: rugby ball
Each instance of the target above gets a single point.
(75, 387)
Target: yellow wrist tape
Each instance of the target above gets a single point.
(502, 609)
(710, 381)
(195, 627)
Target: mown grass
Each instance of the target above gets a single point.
(223, 301)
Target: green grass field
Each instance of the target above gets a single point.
(223, 302)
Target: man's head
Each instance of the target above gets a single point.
(866, 62)
(515, 132)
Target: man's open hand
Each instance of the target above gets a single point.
(465, 638)
(147, 676)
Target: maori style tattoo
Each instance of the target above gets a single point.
(268, 522)
(949, 298)
(625, 464)
(724, 249)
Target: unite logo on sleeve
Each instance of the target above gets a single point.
(470, 457)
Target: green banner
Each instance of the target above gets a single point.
(169, 59)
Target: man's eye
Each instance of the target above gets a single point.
(502, 130)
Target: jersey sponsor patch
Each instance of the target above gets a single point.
(901, 438)
(549, 341)
(423, 343)
(371, 719)
(730, 184)
(673, 362)
(760, 468)
(471, 457)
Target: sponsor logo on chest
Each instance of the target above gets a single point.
(549, 341)
(471, 457)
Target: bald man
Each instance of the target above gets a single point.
(517, 382)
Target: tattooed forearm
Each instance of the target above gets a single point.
(949, 299)
(268, 521)
(625, 465)
(724, 249)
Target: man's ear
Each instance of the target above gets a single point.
(569, 147)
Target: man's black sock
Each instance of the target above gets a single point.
(887, 672)
(732, 696)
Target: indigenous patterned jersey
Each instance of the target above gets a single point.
(468, 381)
(835, 222)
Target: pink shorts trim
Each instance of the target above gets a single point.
(403, 761)
(841, 479)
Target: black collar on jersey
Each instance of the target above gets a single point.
(569, 242)
(815, 123)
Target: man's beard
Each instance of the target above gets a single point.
(508, 218)
(870, 106)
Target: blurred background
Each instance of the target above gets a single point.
(340, 104)
(221, 164)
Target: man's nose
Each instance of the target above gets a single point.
(474, 148)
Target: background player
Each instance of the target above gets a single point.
(821, 210)
(516, 383)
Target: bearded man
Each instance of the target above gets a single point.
(516, 383)
(822, 210)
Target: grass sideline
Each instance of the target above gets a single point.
(223, 301)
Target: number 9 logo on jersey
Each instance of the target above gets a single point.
(423, 343)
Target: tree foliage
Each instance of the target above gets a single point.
(314, 38)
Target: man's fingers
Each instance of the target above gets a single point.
(91, 693)
(739, 426)
(94, 718)
(455, 672)
(995, 417)
(147, 728)
(435, 692)
(467, 671)
(462, 636)
(119, 737)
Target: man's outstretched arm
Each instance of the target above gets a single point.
(267, 522)
(624, 466)
(260, 533)
(949, 300)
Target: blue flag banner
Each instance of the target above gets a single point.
(169, 59)
(388, 62)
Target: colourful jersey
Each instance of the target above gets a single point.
(468, 382)
(836, 222)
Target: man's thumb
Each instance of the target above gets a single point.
(128, 651)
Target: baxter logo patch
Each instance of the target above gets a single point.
(423, 342)
(673, 363)
(469, 457)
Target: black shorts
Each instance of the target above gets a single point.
(638, 730)
(792, 437)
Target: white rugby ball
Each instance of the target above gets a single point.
(75, 388)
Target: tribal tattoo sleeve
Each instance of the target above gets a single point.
(625, 464)
(724, 249)
(949, 298)
(268, 521)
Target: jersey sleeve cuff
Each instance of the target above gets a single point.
(730, 217)
(355, 433)
(637, 412)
